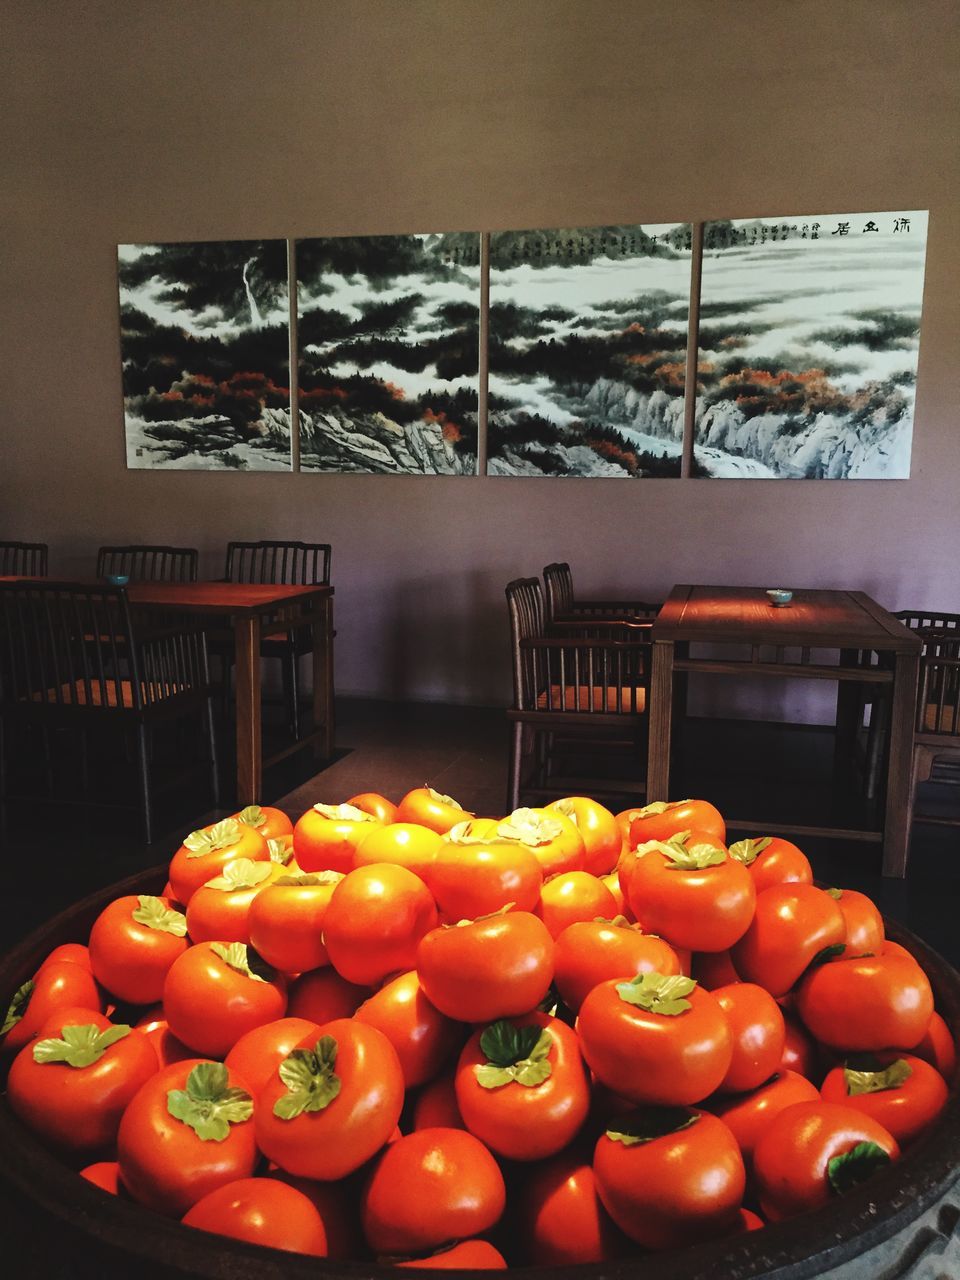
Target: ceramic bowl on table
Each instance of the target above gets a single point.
(779, 597)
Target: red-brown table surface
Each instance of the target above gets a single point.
(846, 621)
(249, 605)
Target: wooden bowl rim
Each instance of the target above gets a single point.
(841, 1230)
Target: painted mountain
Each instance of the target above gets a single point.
(588, 348)
(206, 355)
(389, 353)
(809, 333)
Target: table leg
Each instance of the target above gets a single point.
(249, 745)
(849, 716)
(660, 716)
(322, 637)
(896, 821)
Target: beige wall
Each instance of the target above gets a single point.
(141, 120)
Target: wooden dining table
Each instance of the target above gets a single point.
(841, 636)
(257, 610)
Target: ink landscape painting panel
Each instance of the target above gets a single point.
(587, 351)
(388, 336)
(206, 355)
(808, 343)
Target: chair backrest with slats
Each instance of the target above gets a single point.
(143, 563)
(66, 648)
(558, 582)
(291, 563)
(938, 703)
(525, 607)
(924, 620)
(24, 559)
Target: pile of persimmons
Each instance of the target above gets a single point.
(409, 1034)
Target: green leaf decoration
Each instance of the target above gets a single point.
(80, 1046)
(440, 798)
(207, 1104)
(513, 1053)
(343, 813)
(18, 1006)
(683, 857)
(892, 1077)
(747, 851)
(658, 992)
(155, 914)
(567, 808)
(220, 836)
(279, 852)
(244, 959)
(490, 915)
(466, 833)
(311, 1081)
(646, 1124)
(667, 847)
(835, 894)
(503, 1043)
(311, 877)
(652, 810)
(828, 953)
(856, 1166)
(529, 827)
(252, 816)
(241, 873)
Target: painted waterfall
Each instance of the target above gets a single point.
(205, 348)
(809, 334)
(587, 351)
(388, 331)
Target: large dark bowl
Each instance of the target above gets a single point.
(79, 1231)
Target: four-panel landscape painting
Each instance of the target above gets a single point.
(806, 351)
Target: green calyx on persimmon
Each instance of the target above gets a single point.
(514, 1054)
(207, 1104)
(646, 1124)
(79, 1046)
(658, 992)
(312, 1083)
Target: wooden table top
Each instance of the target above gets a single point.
(816, 619)
(199, 597)
(221, 597)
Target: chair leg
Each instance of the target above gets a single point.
(212, 739)
(516, 757)
(877, 735)
(293, 693)
(921, 768)
(142, 758)
(226, 686)
(3, 784)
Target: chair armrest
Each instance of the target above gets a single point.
(623, 608)
(599, 628)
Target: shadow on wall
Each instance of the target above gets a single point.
(447, 639)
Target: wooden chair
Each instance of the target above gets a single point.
(23, 559)
(936, 736)
(71, 656)
(571, 690)
(940, 633)
(143, 563)
(292, 563)
(562, 606)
